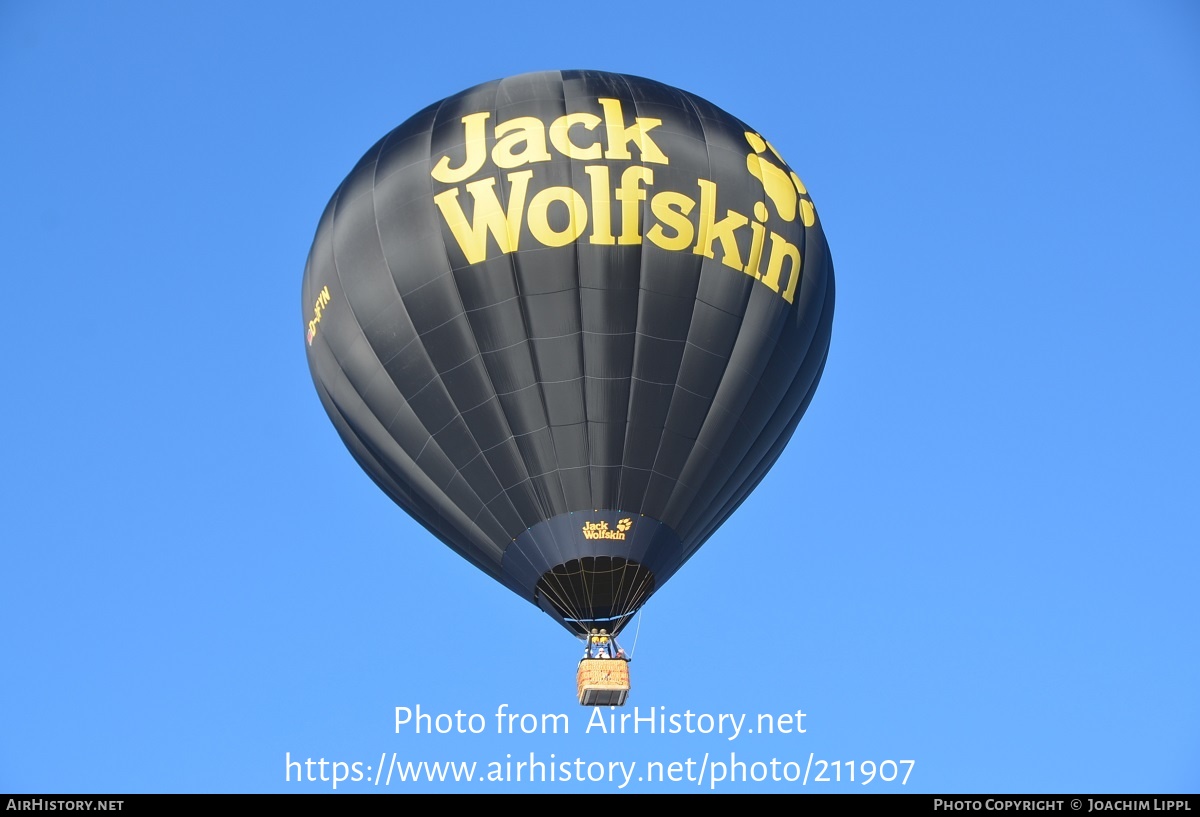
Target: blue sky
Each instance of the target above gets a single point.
(979, 551)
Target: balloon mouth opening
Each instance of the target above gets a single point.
(595, 592)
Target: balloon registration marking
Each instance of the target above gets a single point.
(323, 299)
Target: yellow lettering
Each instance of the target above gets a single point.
(526, 140)
(782, 249)
(672, 209)
(723, 230)
(601, 206)
(476, 146)
(489, 216)
(524, 130)
(560, 135)
(620, 135)
(539, 222)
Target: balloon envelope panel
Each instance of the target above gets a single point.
(568, 320)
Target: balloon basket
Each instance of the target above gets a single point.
(602, 681)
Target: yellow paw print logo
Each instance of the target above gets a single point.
(784, 189)
(625, 524)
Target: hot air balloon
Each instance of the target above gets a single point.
(568, 321)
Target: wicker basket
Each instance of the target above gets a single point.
(602, 681)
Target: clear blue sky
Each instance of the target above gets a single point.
(980, 550)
